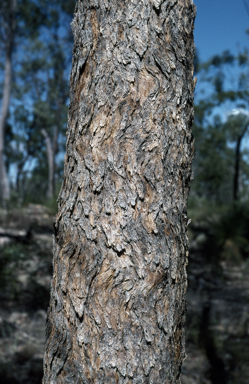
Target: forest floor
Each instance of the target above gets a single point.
(217, 329)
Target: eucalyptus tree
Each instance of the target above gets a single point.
(117, 308)
(18, 20)
(45, 73)
(7, 33)
(237, 127)
(39, 94)
(221, 126)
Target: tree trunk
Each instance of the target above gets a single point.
(10, 32)
(51, 162)
(4, 181)
(51, 148)
(237, 162)
(236, 170)
(117, 304)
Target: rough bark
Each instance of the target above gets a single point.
(10, 27)
(117, 304)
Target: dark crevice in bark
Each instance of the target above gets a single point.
(90, 286)
(97, 192)
(78, 317)
(63, 358)
(82, 69)
(120, 253)
(157, 10)
(160, 67)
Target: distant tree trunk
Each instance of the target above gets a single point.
(117, 304)
(51, 163)
(5, 190)
(237, 162)
(51, 148)
(236, 170)
(10, 26)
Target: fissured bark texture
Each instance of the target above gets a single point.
(117, 304)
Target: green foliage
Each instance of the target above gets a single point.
(235, 125)
(221, 165)
(12, 257)
(232, 231)
(39, 98)
(52, 204)
(213, 162)
(226, 229)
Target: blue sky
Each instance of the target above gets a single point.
(220, 25)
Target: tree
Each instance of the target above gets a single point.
(52, 92)
(7, 33)
(18, 20)
(35, 101)
(117, 304)
(221, 124)
(213, 163)
(237, 126)
(49, 96)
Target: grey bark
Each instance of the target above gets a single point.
(9, 42)
(117, 308)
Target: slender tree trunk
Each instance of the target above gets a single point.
(50, 156)
(236, 170)
(5, 190)
(51, 146)
(237, 162)
(56, 135)
(117, 304)
(10, 32)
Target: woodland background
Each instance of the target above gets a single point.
(217, 329)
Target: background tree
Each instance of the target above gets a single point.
(220, 127)
(236, 127)
(117, 309)
(7, 33)
(39, 95)
(49, 100)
